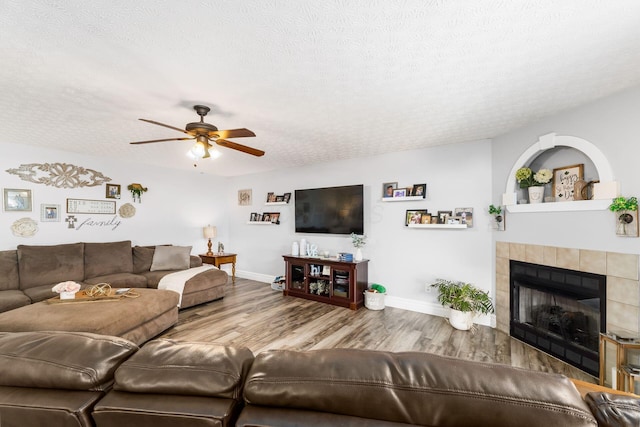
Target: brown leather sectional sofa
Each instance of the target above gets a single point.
(28, 273)
(79, 379)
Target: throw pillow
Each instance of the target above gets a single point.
(171, 258)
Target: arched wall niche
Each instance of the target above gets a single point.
(603, 170)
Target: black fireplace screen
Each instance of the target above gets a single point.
(559, 311)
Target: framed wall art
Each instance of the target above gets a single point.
(244, 197)
(564, 179)
(82, 206)
(49, 213)
(113, 191)
(415, 216)
(465, 216)
(17, 200)
(388, 188)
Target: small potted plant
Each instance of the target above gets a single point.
(627, 213)
(358, 242)
(497, 216)
(534, 182)
(465, 301)
(136, 191)
(374, 297)
(67, 290)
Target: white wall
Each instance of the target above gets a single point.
(174, 209)
(401, 259)
(612, 125)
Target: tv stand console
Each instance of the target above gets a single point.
(326, 280)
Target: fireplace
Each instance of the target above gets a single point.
(558, 311)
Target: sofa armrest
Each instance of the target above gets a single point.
(614, 410)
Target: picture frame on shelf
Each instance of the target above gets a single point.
(564, 179)
(414, 216)
(253, 217)
(400, 192)
(388, 188)
(266, 217)
(279, 198)
(275, 217)
(465, 216)
(17, 200)
(271, 197)
(49, 212)
(286, 197)
(419, 190)
(443, 216)
(112, 191)
(428, 219)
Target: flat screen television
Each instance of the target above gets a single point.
(331, 210)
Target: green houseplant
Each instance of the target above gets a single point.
(628, 212)
(497, 216)
(465, 300)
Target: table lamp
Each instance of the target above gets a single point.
(209, 232)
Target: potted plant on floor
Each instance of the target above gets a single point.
(465, 300)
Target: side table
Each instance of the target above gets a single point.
(219, 259)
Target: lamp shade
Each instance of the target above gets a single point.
(209, 232)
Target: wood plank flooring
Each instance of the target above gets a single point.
(255, 316)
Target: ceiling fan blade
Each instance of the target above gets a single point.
(231, 133)
(239, 147)
(167, 126)
(160, 140)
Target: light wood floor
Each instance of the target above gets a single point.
(255, 316)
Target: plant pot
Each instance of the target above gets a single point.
(461, 320)
(374, 300)
(67, 295)
(536, 194)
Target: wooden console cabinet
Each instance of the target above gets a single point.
(327, 280)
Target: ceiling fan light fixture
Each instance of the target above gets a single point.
(214, 153)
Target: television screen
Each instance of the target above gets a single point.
(333, 210)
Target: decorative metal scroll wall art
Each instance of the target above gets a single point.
(60, 175)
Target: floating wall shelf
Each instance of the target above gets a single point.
(576, 205)
(402, 199)
(456, 226)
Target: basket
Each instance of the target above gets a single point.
(374, 300)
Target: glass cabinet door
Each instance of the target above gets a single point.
(296, 273)
(340, 281)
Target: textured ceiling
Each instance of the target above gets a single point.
(315, 80)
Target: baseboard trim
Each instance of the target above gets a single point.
(390, 301)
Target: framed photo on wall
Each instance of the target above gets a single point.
(564, 179)
(17, 200)
(113, 191)
(49, 213)
(414, 216)
(400, 192)
(464, 215)
(244, 197)
(419, 190)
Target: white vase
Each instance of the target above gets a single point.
(358, 256)
(461, 320)
(536, 194)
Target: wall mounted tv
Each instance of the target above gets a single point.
(332, 210)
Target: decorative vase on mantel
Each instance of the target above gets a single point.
(536, 193)
(358, 256)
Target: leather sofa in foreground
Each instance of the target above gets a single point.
(79, 379)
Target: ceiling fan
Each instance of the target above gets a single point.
(204, 133)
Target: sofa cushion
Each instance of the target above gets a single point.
(50, 265)
(9, 270)
(12, 299)
(142, 258)
(61, 360)
(120, 280)
(413, 388)
(186, 368)
(171, 258)
(101, 259)
(40, 293)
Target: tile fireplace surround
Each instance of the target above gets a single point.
(621, 270)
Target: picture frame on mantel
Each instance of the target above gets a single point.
(564, 179)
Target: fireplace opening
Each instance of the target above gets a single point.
(559, 311)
